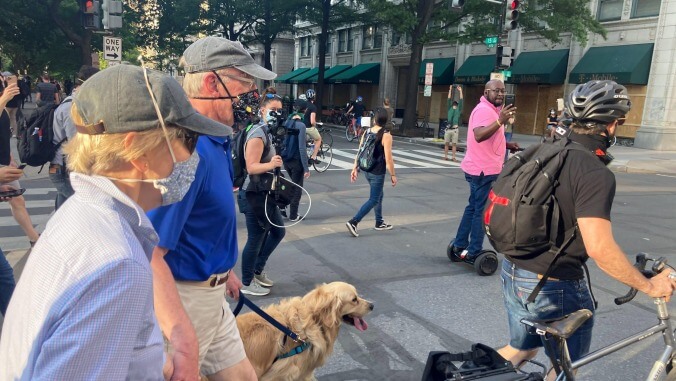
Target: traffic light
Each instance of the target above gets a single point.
(90, 14)
(513, 14)
(504, 57)
(112, 14)
(457, 4)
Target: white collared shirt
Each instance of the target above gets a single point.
(83, 308)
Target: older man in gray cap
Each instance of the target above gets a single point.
(198, 237)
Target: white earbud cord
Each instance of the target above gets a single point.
(304, 215)
(157, 108)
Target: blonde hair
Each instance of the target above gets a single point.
(96, 154)
(386, 102)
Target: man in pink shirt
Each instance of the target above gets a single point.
(483, 161)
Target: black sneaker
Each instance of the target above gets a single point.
(383, 226)
(296, 219)
(352, 227)
(283, 213)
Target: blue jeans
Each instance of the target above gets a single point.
(470, 233)
(6, 283)
(262, 238)
(64, 190)
(556, 299)
(375, 200)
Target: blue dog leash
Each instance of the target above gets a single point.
(287, 332)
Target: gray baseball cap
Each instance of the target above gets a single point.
(117, 100)
(213, 53)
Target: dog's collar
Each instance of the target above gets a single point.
(295, 351)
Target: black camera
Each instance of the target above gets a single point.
(277, 129)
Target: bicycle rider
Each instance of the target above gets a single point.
(585, 196)
(310, 121)
(358, 108)
(552, 122)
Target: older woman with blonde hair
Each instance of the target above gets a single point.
(83, 308)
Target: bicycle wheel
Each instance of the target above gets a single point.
(325, 156)
(327, 137)
(350, 133)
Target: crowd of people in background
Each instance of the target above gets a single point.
(132, 271)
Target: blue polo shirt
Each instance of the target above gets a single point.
(200, 232)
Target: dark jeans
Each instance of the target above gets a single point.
(470, 233)
(508, 137)
(6, 283)
(375, 200)
(295, 170)
(262, 238)
(64, 190)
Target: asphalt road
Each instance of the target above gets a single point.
(422, 301)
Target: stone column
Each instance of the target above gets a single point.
(658, 127)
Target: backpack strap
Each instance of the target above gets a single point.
(572, 232)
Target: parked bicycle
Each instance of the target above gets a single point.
(352, 131)
(559, 330)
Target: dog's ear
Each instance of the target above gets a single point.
(325, 306)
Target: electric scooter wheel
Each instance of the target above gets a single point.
(486, 263)
(449, 253)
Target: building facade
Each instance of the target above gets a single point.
(639, 52)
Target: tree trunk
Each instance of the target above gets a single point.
(323, 36)
(424, 13)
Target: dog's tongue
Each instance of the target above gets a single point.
(360, 324)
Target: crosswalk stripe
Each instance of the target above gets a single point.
(29, 204)
(36, 219)
(434, 154)
(417, 156)
(351, 156)
(340, 163)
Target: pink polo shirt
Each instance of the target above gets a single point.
(489, 155)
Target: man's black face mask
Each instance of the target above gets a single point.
(244, 106)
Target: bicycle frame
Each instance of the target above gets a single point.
(658, 370)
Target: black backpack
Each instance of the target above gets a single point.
(239, 172)
(365, 158)
(522, 216)
(35, 137)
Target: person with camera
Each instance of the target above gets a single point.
(482, 163)
(453, 122)
(264, 225)
(295, 160)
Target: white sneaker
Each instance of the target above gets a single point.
(263, 279)
(254, 289)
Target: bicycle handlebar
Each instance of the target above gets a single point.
(642, 260)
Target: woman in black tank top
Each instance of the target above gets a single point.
(376, 177)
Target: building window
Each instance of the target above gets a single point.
(398, 38)
(610, 10)
(329, 44)
(646, 8)
(345, 40)
(372, 37)
(305, 46)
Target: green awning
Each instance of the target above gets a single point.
(362, 73)
(547, 67)
(476, 70)
(305, 77)
(625, 64)
(286, 77)
(443, 71)
(334, 70)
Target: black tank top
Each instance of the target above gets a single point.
(379, 156)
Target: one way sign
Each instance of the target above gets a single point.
(112, 48)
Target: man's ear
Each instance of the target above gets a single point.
(210, 84)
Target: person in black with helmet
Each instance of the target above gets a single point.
(310, 121)
(585, 196)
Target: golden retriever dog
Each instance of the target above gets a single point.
(315, 318)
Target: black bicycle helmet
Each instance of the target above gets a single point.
(598, 101)
(310, 94)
